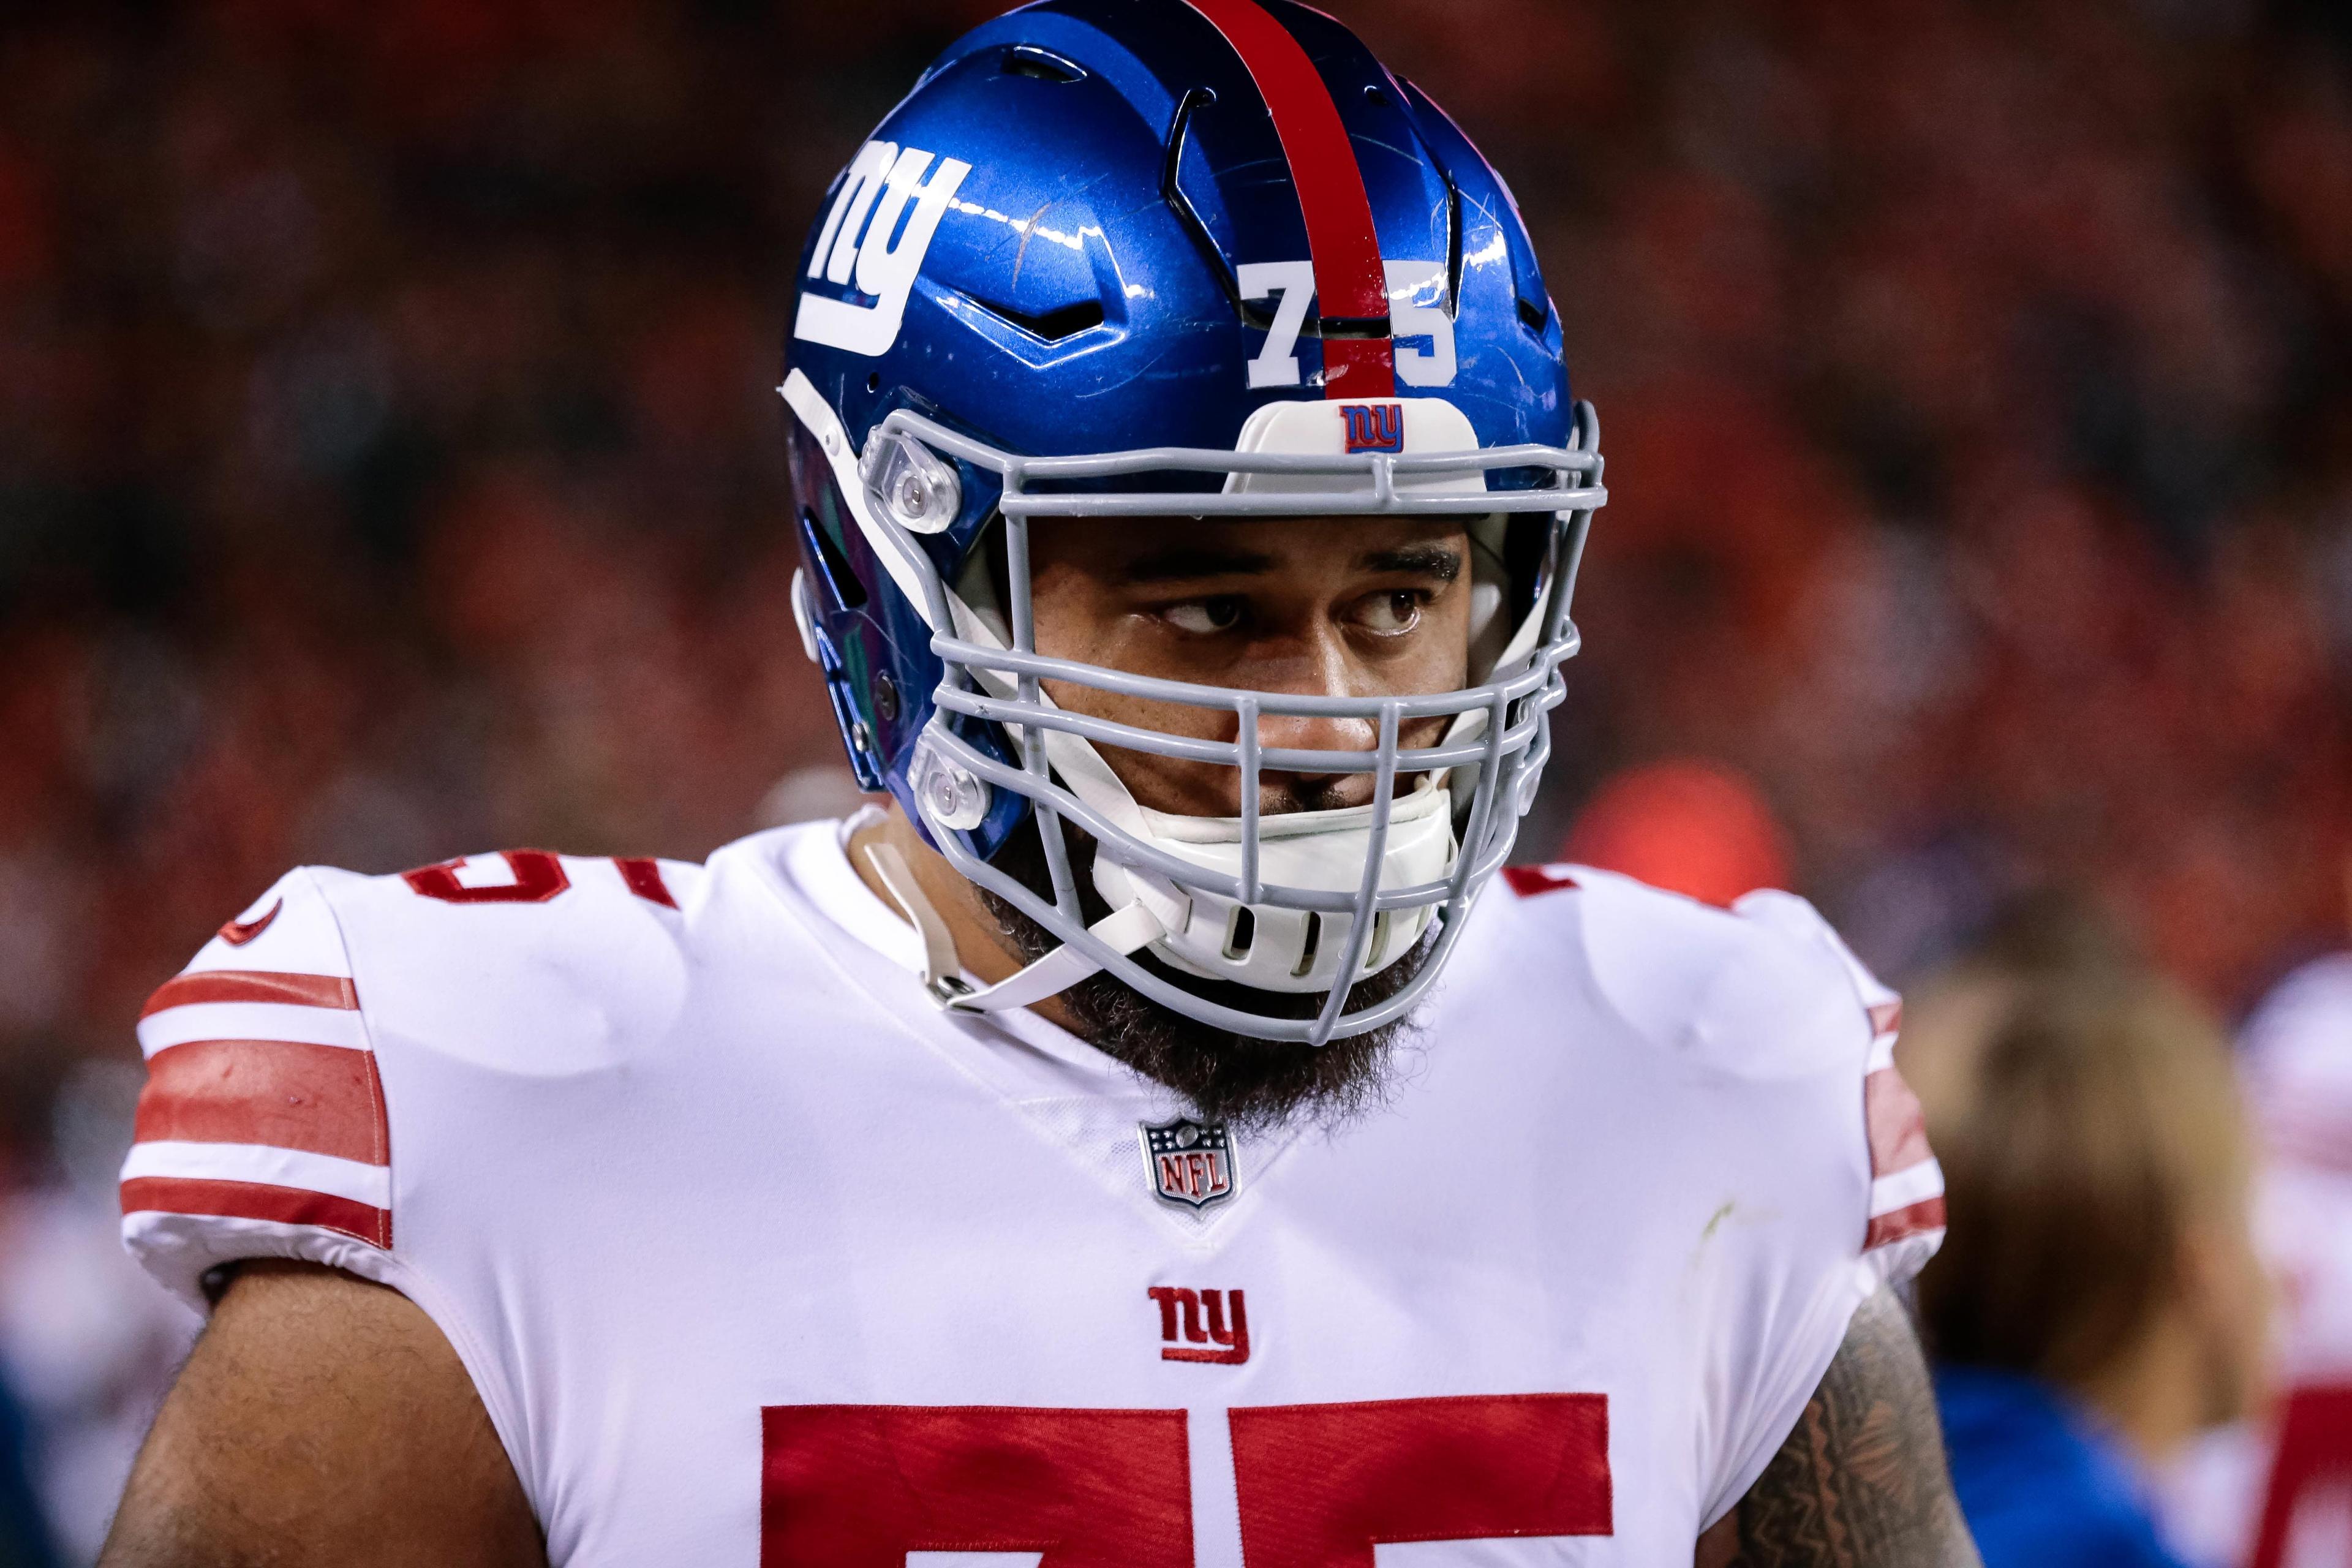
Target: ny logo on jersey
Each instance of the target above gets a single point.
(1374, 427)
(872, 244)
(1199, 1316)
(1190, 1163)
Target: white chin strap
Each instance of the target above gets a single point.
(1123, 931)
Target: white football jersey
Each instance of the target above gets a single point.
(757, 1256)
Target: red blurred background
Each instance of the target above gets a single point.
(389, 468)
(389, 464)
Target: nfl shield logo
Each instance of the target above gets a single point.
(1190, 1163)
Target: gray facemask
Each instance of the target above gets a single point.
(1286, 903)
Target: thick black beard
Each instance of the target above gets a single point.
(1247, 1082)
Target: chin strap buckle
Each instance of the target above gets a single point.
(1122, 930)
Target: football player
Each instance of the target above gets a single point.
(1165, 1135)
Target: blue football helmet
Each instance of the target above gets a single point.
(1129, 260)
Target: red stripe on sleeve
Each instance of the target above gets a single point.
(1919, 1218)
(325, 1100)
(1349, 281)
(254, 985)
(1898, 1130)
(257, 1200)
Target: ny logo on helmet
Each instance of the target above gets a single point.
(856, 247)
(1374, 427)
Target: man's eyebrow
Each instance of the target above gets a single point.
(1190, 563)
(1415, 560)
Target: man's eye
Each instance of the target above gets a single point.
(1389, 615)
(1206, 617)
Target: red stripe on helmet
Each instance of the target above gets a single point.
(1349, 281)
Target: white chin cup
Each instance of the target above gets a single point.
(1272, 948)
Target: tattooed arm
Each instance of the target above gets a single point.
(1860, 1483)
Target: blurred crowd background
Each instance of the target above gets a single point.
(389, 469)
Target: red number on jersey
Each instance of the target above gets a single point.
(645, 879)
(537, 876)
(1321, 1484)
(860, 1486)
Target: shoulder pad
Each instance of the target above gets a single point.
(263, 1130)
(1768, 990)
(1762, 989)
(525, 963)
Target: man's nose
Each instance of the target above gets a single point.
(1323, 673)
(1315, 789)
